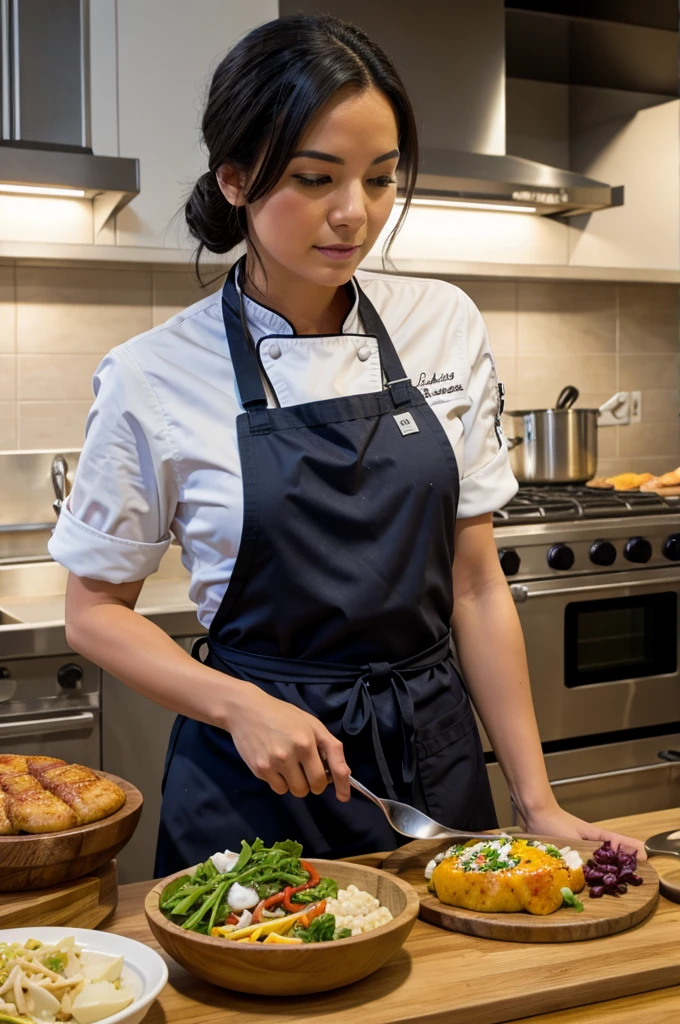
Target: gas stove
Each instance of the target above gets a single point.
(546, 532)
(595, 577)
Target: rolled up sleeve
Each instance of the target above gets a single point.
(487, 482)
(115, 525)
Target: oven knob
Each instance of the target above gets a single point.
(510, 561)
(68, 676)
(602, 553)
(638, 550)
(671, 547)
(560, 557)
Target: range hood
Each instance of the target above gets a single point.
(45, 141)
(509, 183)
(451, 56)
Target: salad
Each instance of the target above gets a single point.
(268, 894)
(43, 983)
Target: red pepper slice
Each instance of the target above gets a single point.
(313, 875)
(271, 901)
(292, 908)
(232, 919)
(314, 911)
(288, 891)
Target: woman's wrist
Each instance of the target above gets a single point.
(229, 699)
(535, 801)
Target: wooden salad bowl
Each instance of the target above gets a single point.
(293, 970)
(50, 858)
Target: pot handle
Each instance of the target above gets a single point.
(567, 396)
(512, 442)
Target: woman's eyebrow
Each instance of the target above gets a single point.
(314, 154)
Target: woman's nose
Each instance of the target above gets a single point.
(349, 209)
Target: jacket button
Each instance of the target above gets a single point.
(363, 353)
(275, 351)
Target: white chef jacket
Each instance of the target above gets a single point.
(160, 456)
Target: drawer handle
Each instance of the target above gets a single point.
(35, 726)
(615, 773)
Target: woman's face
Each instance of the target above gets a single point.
(336, 194)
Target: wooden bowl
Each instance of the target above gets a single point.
(39, 861)
(293, 970)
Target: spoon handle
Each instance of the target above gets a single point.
(355, 784)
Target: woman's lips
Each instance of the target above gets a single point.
(335, 253)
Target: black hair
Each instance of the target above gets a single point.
(264, 94)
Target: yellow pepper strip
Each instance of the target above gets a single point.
(279, 924)
(255, 935)
(281, 940)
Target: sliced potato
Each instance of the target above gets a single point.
(98, 1000)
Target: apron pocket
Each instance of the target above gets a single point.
(450, 761)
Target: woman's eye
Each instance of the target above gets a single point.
(312, 182)
(383, 181)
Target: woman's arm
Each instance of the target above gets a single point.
(491, 648)
(490, 644)
(280, 743)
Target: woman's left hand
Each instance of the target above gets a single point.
(557, 822)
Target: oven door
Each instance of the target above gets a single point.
(50, 706)
(606, 780)
(602, 651)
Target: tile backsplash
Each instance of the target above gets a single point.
(58, 320)
(601, 337)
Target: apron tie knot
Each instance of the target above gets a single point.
(360, 711)
(379, 673)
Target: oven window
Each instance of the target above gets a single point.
(623, 638)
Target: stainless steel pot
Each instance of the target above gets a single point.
(555, 446)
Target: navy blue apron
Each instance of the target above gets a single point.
(340, 602)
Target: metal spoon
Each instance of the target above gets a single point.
(413, 823)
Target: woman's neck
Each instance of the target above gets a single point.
(309, 307)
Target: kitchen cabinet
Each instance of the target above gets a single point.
(165, 54)
(135, 734)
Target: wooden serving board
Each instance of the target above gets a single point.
(604, 916)
(84, 903)
(52, 858)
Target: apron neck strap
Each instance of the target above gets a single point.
(244, 356)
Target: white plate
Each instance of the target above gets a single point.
(144, 971)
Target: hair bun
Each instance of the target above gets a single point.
(211, 218)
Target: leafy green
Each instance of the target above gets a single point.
(244, 856)
(570, 899)
(198, 902)
(171, 889)
(56, 961)
(327, 888)
(321, 929)
(289, 847)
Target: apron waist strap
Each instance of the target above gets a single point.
(358, 679)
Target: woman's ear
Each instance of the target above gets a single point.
(232, 184)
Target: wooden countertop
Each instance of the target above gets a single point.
(395, 993)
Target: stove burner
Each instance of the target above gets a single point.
(563, 503)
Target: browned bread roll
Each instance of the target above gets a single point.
(12, 763)
(90, 796)
(38, 765)
(5, 824)
(31, 808)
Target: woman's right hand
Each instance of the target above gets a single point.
(283, 745)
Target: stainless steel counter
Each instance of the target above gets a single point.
(32, 599)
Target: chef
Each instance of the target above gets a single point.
(320, 441)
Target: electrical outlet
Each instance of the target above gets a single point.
(636, 407)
